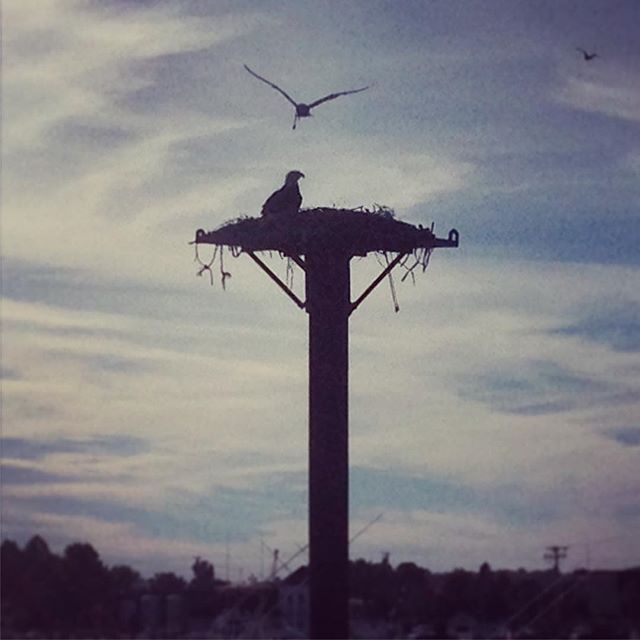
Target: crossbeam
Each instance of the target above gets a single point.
(274, 277)
(298, 260)
(377, 281)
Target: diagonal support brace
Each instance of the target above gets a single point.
(377, 281)
(298, 260)
(274, 277)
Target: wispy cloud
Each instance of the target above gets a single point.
(157, 416)
(626, 436)
(31, 449)
(93, 158)
(615, 324)
(612, 92)
(79, 68)
(542, 387)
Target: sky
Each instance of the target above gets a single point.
(157, 416)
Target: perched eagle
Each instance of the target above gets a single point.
(303, 110)
(285, 201)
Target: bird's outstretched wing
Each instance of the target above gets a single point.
(586, 55)
(275, 86)
(333, 96)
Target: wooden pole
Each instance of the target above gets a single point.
(328, 304)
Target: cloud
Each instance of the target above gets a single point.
(426, 492)
(541, 387)
(378, 176)
(154, 414)
(13, 474)
(611, 92)
(8, 374)
(93, 161)
(38, 449)
(222, 402)
(632, 161)
(218, 517)
(615, 324)
(84, 66)
(116, 541)
(112, 171)
(442, 541)
(626, 436)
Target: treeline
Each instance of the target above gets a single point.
(536, 604)
(77, 594)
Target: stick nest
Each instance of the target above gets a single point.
(352, 231)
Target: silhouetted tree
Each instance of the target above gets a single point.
(457, 594)
(87, 586)
(41, 593)
(125, 585)
(165, 583)
(203, 572)
(497, 605)
(47, 595)
(411, 592)
(630, 595)
(123, 579)
(202, 589)
(374, 584)
(492, 589)
(12, 565)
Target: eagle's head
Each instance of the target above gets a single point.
(293, 177)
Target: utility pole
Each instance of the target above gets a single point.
(322, 242)
(555, 554)
(328, 305)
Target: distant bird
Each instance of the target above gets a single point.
(586, 55)
(304, 110)
(285, 201)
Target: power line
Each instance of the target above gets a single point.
(535, 599)
(552, 604)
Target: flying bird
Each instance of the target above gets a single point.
(586, 55)
(285, 201)
(303, 110)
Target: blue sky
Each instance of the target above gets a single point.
(160, 418)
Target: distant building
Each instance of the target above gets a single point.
(293, 601)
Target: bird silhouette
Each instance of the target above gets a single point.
(285, 201)
(303, 110)
(587, 56)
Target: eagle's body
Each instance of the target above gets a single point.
(303, 110)
(285, 201)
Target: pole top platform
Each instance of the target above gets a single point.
(353, 232)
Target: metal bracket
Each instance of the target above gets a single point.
(377, 281)
(274, 277)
